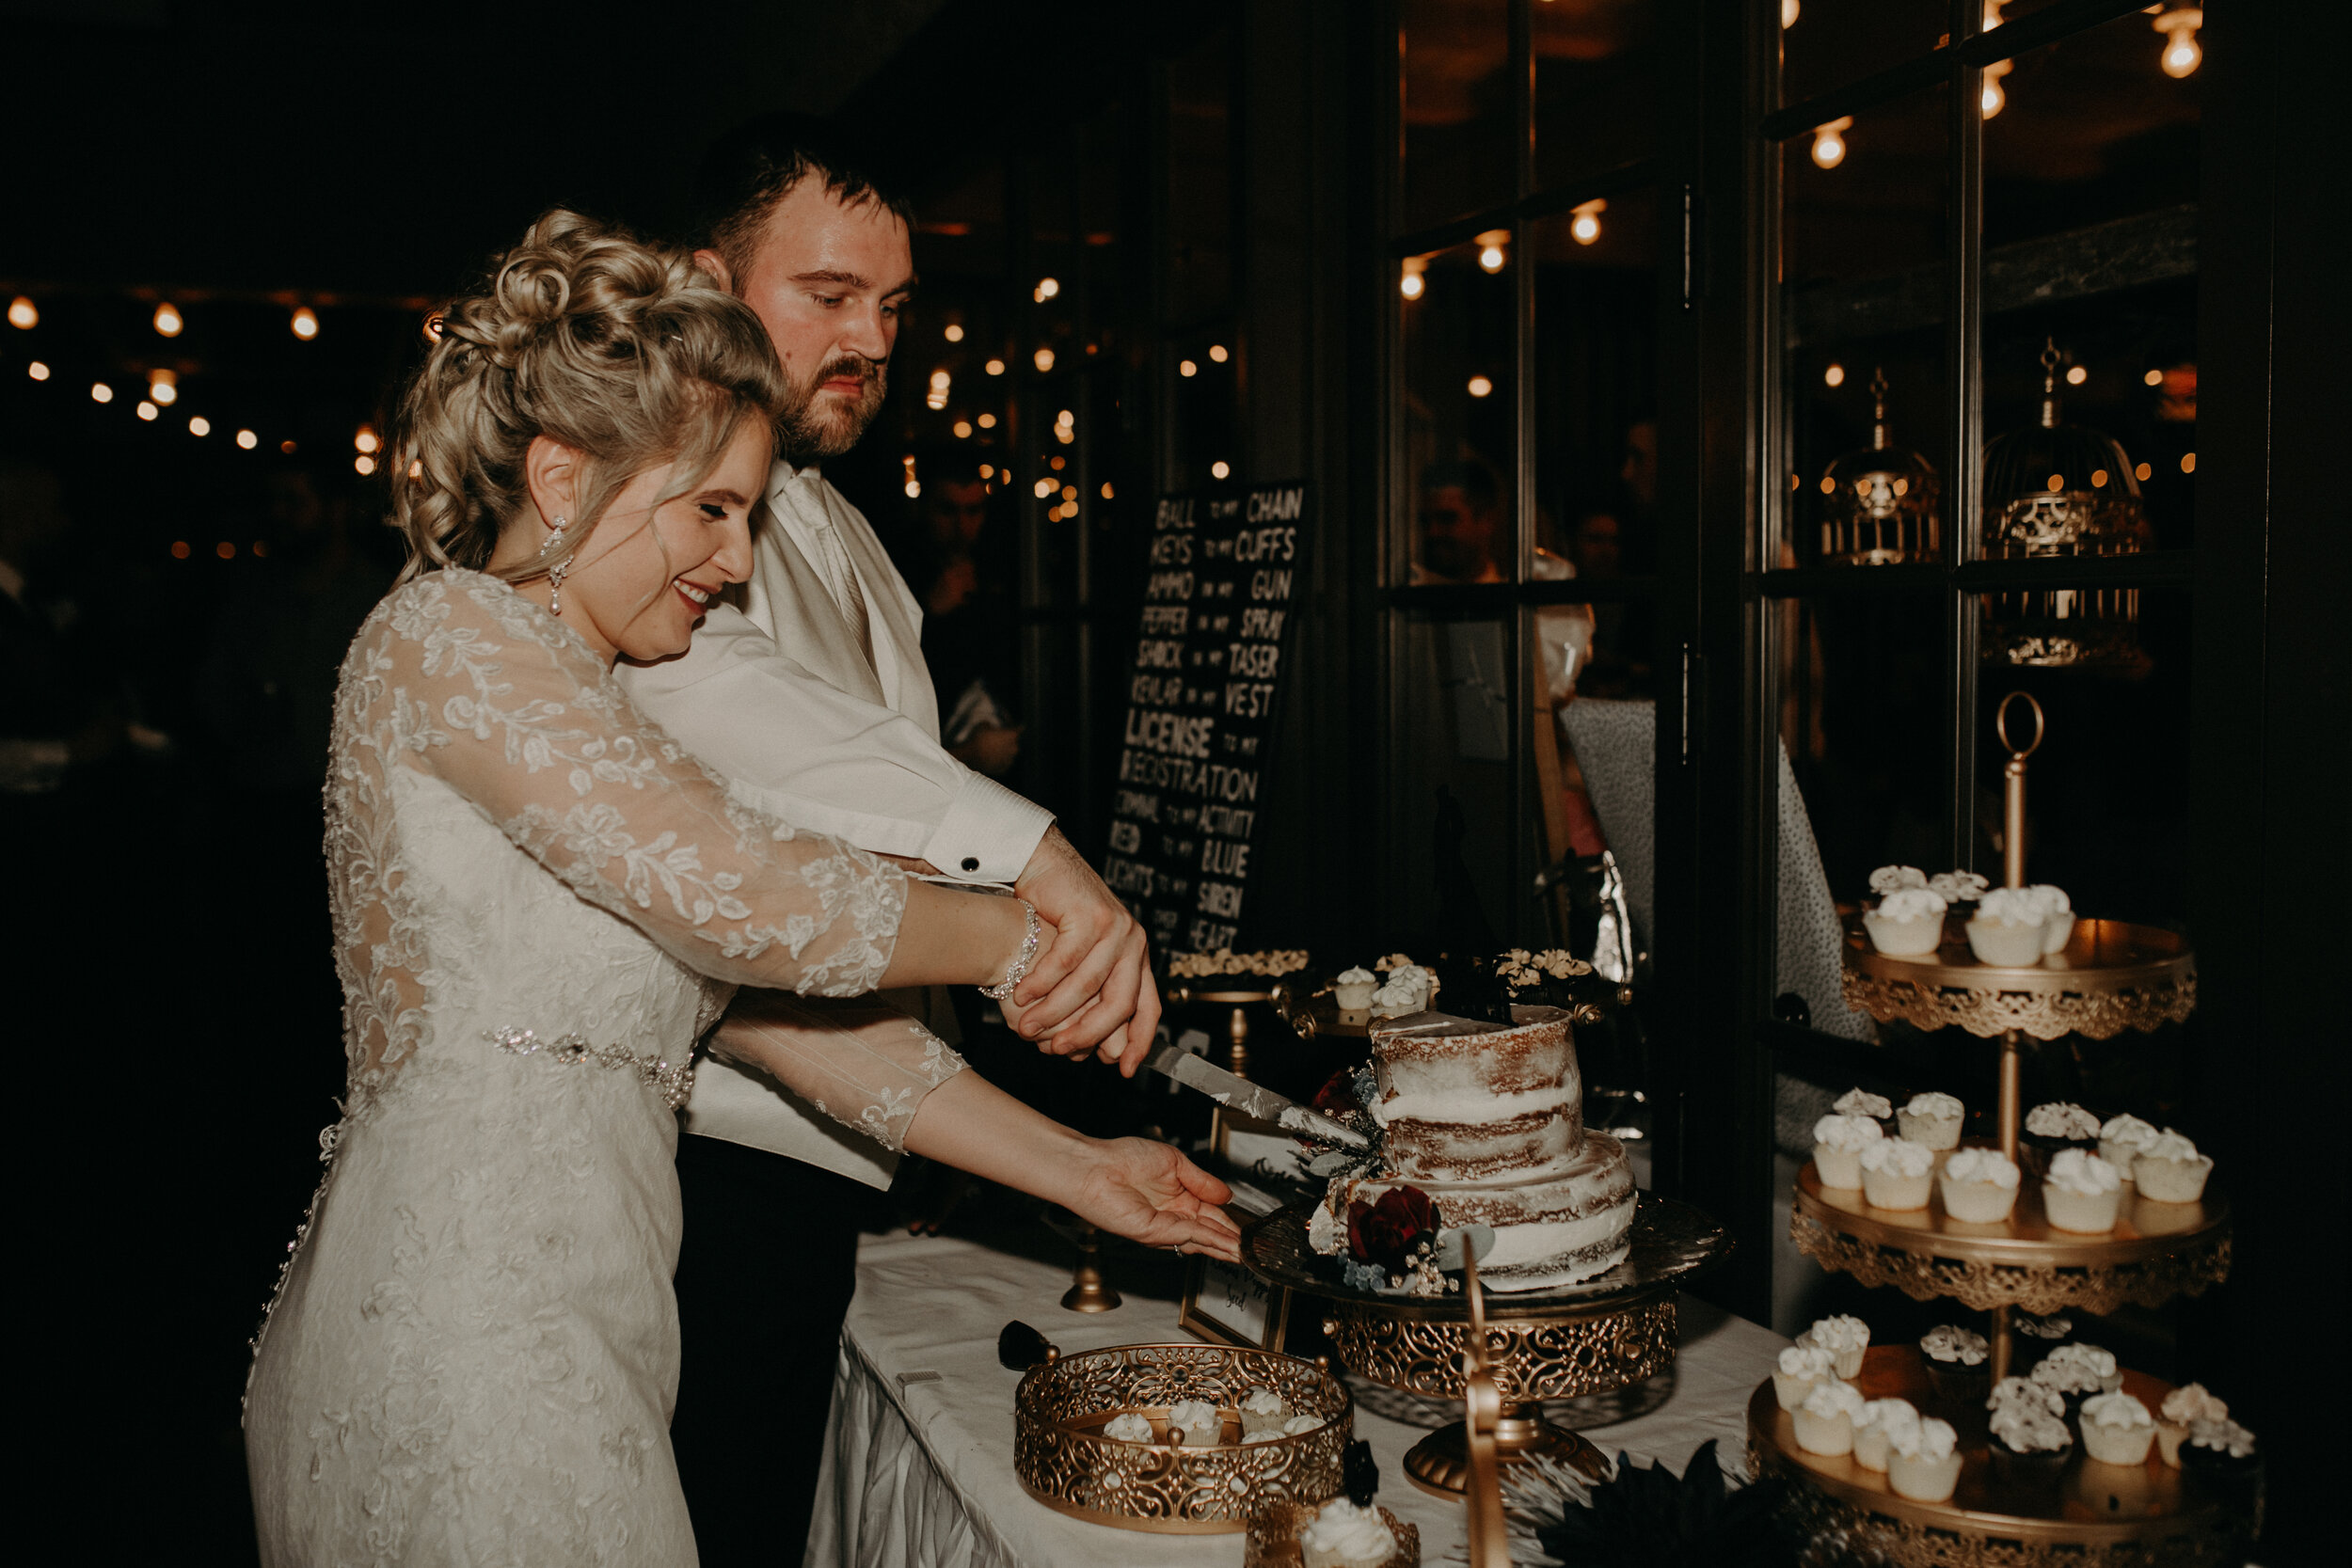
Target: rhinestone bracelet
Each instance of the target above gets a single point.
(1021, 960)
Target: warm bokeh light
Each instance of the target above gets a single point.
(1044, 488)
(1216, 351)
(366, 440)
(1829, 485)
(2182, 53)
(1106, 489)
(988, 470)
(1411, 283)
(226, 551)
(363, 464)
(915, 488)
(167, 320)
(1828, 142)
(1186, 367)
(2141, 472)
(1480, 387)
(199, 425)
(1585, 226)
(963, 429)
(1993, 99)
(2098, 478)
(1491, 258)
(954, 333)
(2076, 375)
(2154, 378)
(1047, 289)
(987, 422)
(37, 371)
(101, 392)
(2189, 462)
(148, 410)
(1043, 360)
(2057, 482)
(180, 550)
(1057, 464)
(261, 546)
(306, 323)
(1788, 10)
(995, 367)
(286, 447)
(23, 313)
(163, 392)
(1219, 468)
(1069, 492)
(246, 439)
(1835, 375)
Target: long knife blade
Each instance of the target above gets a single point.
(1248, 1098)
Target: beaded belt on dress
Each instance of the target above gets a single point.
(672, 1081)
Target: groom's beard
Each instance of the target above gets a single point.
(826, 423)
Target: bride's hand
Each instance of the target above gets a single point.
(1014, 1012)
(1149, 1193)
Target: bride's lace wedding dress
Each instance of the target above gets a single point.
(540, 902)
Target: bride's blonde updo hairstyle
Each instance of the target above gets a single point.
(623, 352)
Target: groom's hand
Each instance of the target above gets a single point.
(1093, 991)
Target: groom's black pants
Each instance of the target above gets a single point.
(764, 1279)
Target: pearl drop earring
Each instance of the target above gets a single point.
(555, 573)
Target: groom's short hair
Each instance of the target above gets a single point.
(749, 170)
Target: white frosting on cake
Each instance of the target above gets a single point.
(1488, 1121)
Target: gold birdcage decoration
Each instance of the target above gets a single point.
(1879, 504)
(2055, 489)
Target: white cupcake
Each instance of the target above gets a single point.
(1197, 1422)
(1347, 1536)
(1825, 1422)
(2182, 1409)
(1353, 989)
(1908, 924)
(2006, 930)
(2116, 1429)
(1862, 1102)
(1845, 1338)
(1129, 1428)
(2082, 1194)
(1799, 1370)
(1874, 1430)
(1302, 1423)
(1263, 1410)
(1924, 1465)
(1837, 1146)
(2026, 1391)
(1932, 1119)
(2079, 1371)
(2169, 1169)
(2058, 916)
(1893, 879)
(1980, 1186)
(2120, 1139)
(1957, 887)
(1895, 1174)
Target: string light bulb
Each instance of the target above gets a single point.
(1043, 360)
(1584, 222)
(163, 386)
(23, 313)
(1829, 141)
(199, 425)
(37, 371)
(167, 321)
(101, 392)
(1219, 468)
(1994, 99)
(1411, 282)
(1480, 387)
(1047, 289)
(1491, 255)
(1788, 10)
(954, 333)
(1216, 351)
(2182, 55)
(365, 440)
(247, 440)
(304, 324)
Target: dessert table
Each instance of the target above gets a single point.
(919, 1463)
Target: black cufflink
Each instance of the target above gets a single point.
(971, 862)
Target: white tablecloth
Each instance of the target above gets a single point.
(918, 1468)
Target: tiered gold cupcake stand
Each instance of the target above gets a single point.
(2110, 976)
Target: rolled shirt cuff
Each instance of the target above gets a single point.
(988, 834)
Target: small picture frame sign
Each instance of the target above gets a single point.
(1227, 1305)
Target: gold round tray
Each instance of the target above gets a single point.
(1607, 1332)
(2155, 1252)
(2111, 976)
(1065, 1461)
(2085, 1514)
(1274, 1538)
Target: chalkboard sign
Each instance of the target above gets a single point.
(1226, 567)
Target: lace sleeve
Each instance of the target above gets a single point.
(460, 675)
(865, 1064)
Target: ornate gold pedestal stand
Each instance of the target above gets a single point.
(2110, 978)
(1608, 1333)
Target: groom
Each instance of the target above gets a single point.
(814, 699)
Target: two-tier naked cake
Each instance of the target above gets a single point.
(1487, 1120)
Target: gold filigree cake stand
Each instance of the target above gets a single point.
(1607, 1333)
(2110, 976)
(2155, 1252)
(2080, 1513)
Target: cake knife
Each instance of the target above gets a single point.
(1248, 1098)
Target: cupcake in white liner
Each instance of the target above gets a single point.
(2053, 1128)
(2116, 1429)
(2082, 1194)
(2028, 1442)
(1837, 1145)
(1908, 924)
(1263, 1410)
(1980, 1185)
(2182, 1409)
(1408, 989)
(1924, 1465)
(1932, 1118)
(2058, 916)
(1845, 1338)
(1129, 1428)
(1303, 1422)
(2026, 1391)
(1897, 1174)
(1825, 1422)
(1862, 1102)
(2169, 1169)
(1959, 1362)
(2120, 1139)
(1957, 887)
(1799, 1370)
(2078, 1372)
(1197, 1422)
(1345, 1536)
(1353, 989)
(1893, 879)
(2006, 930)
(1874, 1430)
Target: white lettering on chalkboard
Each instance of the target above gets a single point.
(1257, 659)
(1171, 731)
(1220, 899)
(1160, 654)
(1225, 859)
(1168, 620)
(1172, 549)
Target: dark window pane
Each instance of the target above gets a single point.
(1595, 86)
(1199, 180)
(1827, 43)
(1457, 108)
(1460, 455)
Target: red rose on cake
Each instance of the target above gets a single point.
(1385, 1233)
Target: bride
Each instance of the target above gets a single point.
(540, 903)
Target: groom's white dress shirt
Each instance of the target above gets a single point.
(783, 696)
